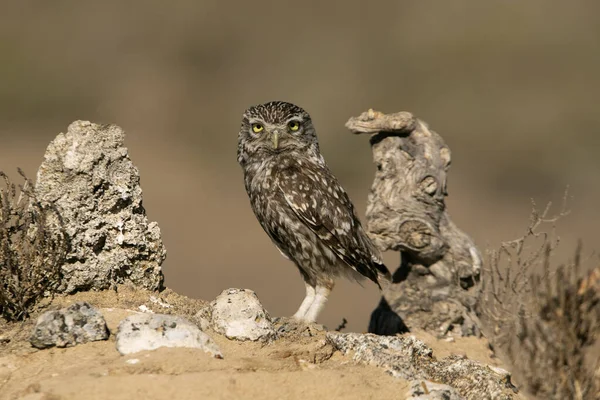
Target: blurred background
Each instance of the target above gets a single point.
(513, 88)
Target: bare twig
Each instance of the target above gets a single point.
(31, 254)
(542, 323)
(342, 326)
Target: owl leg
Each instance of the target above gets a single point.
(306, 303)
(321, 295)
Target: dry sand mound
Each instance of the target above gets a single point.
(293, 367)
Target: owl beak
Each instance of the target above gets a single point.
(275, 139)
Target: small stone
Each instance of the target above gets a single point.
(78, 323)
(144, 308)
(427, 390)
(140, 332)
(238, 314)
(396, 354)
(203, 323)
(159, 302)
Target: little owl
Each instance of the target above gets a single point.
(301, 205)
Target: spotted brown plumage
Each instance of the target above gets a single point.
(300, 204)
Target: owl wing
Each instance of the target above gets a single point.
(318, 200)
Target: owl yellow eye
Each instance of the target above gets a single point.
(294, 126)
(257, 128)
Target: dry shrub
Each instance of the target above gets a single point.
(33, 247)
(543, 324)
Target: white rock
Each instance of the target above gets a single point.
(427, 390)
(144, 308)
(238, 314)
(140, 332)
(76, 324)
(161, 303)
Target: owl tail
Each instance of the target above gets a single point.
(384, 277)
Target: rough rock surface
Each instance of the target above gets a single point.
(238, 314)
(410, 359)
(79, 323)
(434, 287)
(140, 332)
(88, 175)
(427, 390)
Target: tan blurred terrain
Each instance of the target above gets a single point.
(511, 86)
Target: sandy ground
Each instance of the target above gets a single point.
(291, 368)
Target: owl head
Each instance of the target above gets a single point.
(275, 128)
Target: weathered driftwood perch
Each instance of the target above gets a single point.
(433, 288)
